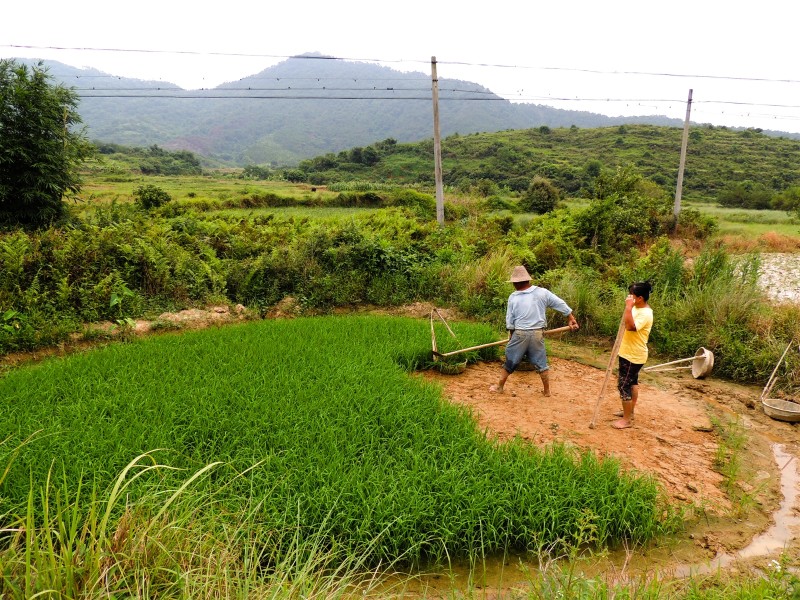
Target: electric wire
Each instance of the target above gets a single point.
(213, 93)
(417, 61)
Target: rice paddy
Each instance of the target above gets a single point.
(306, 427)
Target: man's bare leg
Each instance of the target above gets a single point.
(498, 387)
(545, 376)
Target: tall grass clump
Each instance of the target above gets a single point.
(332, 438)
(711, 301)
(172, 541)
(719, 306)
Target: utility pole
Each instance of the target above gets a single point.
(437, 145)
(676, 210)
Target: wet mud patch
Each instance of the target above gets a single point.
(677, 437)
(672, 437)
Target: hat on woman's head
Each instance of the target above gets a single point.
(519, 273)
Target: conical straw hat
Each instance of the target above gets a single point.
(519, 273)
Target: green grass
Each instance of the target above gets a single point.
(316, 423)
(335, 213)
(747, 223)
(102, 189)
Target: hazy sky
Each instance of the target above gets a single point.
(616, 57)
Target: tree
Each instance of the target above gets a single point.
(541, 196)
(150, 196)
(40, 147)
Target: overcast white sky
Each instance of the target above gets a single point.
(741, 58)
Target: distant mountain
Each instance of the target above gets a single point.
(300, 108)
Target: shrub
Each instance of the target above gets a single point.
(256, 172)
(150, 196)
(294, 175)
(746, 194)
(498, 203)
(541, 196)
(628, 211)
(424, 205)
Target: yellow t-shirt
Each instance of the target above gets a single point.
(634, 343)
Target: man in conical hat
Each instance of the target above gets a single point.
(525, 321)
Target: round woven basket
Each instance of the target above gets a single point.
(703, 363)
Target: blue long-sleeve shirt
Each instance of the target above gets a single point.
(526, 308)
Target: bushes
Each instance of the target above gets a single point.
(541, 196)
(150, 196)
(73, 275)
(124, 263)
(746, 194)
(628, 212)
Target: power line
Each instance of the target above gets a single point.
(488, 95)
(202, 92)
(204, 53)
(482, 95)
(608, 72)
(276, 97)
(426, 98)
(382, 60)
(254, 78)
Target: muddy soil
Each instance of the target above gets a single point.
(672, 437)
(677, 437)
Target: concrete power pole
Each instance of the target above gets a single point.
(437, 145)
(676, 210)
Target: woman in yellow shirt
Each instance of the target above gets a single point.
(638, 320)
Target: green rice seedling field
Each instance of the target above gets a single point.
(307, 426)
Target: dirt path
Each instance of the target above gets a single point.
(672, 438)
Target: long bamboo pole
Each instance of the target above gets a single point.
(771, 382)
(498, 343)
(614, 352)
(674, 362)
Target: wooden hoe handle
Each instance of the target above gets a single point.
(614, 352)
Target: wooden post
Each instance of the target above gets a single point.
(676, 210)
(437, 145)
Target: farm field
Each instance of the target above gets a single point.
(751, 224)
(685, 430)
(315, 425)
(332, 440)
(734, 224)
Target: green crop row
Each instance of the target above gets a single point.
(316, 422)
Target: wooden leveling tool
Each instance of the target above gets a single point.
(437, 354)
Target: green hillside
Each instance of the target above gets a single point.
(717, 158)
(297, 109)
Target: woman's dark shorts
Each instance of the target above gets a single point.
(628, 377)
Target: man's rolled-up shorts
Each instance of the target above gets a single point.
(526, 341)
